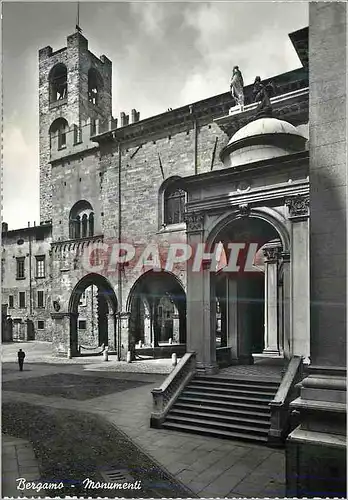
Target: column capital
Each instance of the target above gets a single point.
(122, 314)
(194, 221)
(272, 252)
(298, 206)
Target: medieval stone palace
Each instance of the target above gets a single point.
(235, 169)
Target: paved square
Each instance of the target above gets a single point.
(71, 386)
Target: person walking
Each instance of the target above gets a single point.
(21, 356)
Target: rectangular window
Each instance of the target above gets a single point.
(20, 268)
(40, 266)
(10, 301)
(61, 139)
(82, 324)
(40, 299)
(40, 325)
(22, 300)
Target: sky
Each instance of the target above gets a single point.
(165, 55)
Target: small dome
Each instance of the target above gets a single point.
(263, 126)
(262, 139)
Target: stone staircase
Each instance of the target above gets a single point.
(224, 408)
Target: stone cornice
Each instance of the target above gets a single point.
(65, 156)
(254, 197)
(240, 172)
(292, 107)
(60, 315)
(74, 244)
(209, 109)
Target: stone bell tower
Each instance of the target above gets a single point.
(74, 85)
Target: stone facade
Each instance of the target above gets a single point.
(29, 244)
(316, 449)
(122, 173)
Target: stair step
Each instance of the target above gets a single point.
(230, 411)
(238, 379)
(198, 413)
(226, 397)
(217, 425)
(224, 404)
(213, 432)
(228, 390)
(236, 384)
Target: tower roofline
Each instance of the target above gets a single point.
(74, 39)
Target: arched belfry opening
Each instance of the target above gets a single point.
(95, 86)
(92, 307)
(157, 306)
(58, 132)
(81, 220)
(58, 79)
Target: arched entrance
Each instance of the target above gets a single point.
(92, 308)
(157, 306)
(250, 306)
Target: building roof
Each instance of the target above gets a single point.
(262, 126)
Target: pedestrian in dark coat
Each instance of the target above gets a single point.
(21, 356)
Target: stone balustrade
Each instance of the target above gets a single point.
(165, 396)
(288, 390)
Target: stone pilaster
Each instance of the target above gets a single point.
(298, 207)
(316, 448)
(286, 303)
(201, 310)
(62, 340)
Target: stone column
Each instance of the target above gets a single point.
(271, 252)
(232, 316)
(201, 319)
(122, 334)
(147, 330)
(299, 270)
(112, 338)
(176, 325)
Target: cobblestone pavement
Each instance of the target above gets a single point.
(210, 467)
(18, 460)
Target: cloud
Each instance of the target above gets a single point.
(151, 15)
(252, 35)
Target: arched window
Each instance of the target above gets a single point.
(95, 84)
(81, 220)
(58, 130)
(58, 83)
(174, 205)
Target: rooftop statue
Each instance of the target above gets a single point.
(237, 87)
(262, 94)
